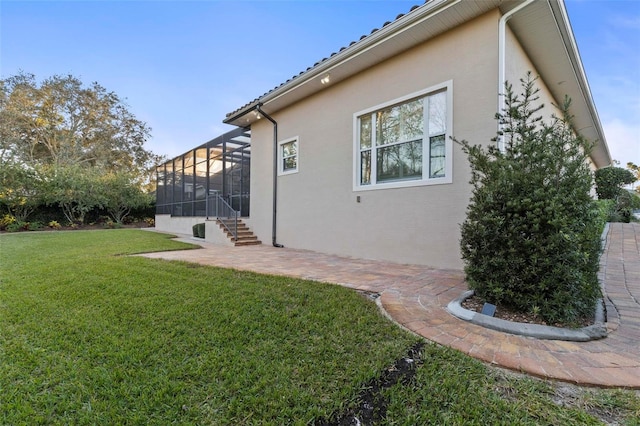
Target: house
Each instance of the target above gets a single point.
(354, 156)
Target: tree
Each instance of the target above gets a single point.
(60, 122)
(65, 135)
(121, 195)
(610, 180)
(635, 169)
(609, 186)
(75, 189)
(20, 190)
(531, 238)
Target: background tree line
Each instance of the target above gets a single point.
(70, 149)
(610, 186)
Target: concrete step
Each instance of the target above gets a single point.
(248, 243)
(245, 238)
(244, 235)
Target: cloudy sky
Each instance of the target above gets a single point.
(182, 65)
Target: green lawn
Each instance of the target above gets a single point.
(89, 336)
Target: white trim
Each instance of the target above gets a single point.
(281, 171)
(447, 86)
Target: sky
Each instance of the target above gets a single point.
(182, 66)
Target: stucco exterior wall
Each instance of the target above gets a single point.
(184, 225)
(177, 225)
(318, 207)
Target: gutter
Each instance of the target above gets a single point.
(275, 175)
(240, 114)
(502, 61)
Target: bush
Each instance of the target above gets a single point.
(605, 210)
(198, 230)
(35, 226)
(18, 226)
(54, 224)
(110, 224)
(15, 227)
(122, 194)
(609, 186)
(6, 220)
(531, 239)
(623, 207)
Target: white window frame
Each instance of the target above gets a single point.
(447, 88)
(281, 171)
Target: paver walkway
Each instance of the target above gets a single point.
(416, 297)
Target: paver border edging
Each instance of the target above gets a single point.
(585, 334)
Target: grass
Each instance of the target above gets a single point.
(89, 336)
(451, 388)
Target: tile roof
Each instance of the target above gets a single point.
(364, 36)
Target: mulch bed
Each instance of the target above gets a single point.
(475, 304)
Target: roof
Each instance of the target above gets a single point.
(542, 28)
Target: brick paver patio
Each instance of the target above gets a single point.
(416, 297)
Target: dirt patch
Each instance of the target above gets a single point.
(371, 407)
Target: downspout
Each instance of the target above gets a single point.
(275, 175)
(502, 61)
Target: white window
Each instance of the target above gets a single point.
(288, 156)
(404, 142)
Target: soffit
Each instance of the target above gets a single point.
(544, 32)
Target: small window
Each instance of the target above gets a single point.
(288, 156)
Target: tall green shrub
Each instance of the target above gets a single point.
(531, 238)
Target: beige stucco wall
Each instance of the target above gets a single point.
(318, 208)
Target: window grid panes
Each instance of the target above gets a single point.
(409, 141)
(289, 156)
(436, 156)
